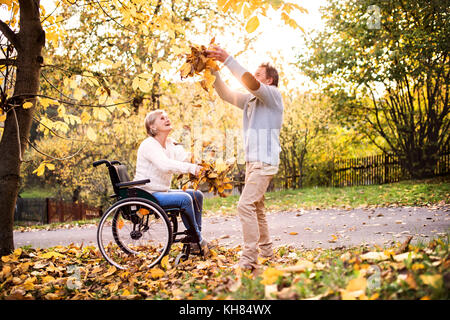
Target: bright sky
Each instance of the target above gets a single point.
(276, 40)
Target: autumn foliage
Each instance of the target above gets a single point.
(79, 272)
(214, 175)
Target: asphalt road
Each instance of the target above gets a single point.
(302, 229)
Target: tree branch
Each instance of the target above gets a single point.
(9, 34)
(7, 62)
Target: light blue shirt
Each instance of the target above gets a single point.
(262, 118)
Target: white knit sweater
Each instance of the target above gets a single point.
(158, 164)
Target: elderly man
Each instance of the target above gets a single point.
(262, 118)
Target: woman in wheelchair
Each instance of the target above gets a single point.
(158, 158)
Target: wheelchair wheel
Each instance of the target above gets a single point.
(134, 232)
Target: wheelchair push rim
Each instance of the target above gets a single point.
(134, 232)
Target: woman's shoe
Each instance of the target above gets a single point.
(196, 250)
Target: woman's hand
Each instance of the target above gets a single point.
(217, 54)
(198, 169)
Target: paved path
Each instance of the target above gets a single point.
(303, 229)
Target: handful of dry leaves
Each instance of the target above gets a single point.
(197, 63)
(214, 174)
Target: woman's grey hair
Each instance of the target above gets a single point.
(150, 119)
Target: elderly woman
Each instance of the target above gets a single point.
(159, 157)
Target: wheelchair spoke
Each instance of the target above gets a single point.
(129, 234)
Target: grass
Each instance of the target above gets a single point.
(405, 193)
(37, 193)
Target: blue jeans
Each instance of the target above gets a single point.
(192, 203)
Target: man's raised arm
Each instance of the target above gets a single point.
(255, 87)
(234, 97)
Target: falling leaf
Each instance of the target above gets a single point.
(293, 233)
(252, 24)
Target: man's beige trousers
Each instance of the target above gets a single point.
(251, 213)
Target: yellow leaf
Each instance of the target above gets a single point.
(185, 70)
(417, 266)
(45, 102)
(85, 117)
(374, 255)
(270, 275)
(144, 86)
(50, 166)
(252, 24)
(293, 233)
(359, 283)
(246, 11)
(27, 105)
(17, 252)
(47, 278)
(3, 117)
(156, 273)
(40, 170)
(120, 224)
(135, 83)
(126, 293)
(432, 280)
(110, 271)
(301, 266)
(355, 289)
(51, 254)
(29, 283)
(91, 134)
(165, 262)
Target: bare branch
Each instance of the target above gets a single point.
(9, 34)
(54, 158)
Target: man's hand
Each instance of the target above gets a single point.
(218, 54)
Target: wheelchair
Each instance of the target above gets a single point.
(136, 230)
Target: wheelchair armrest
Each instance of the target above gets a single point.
(132, 183)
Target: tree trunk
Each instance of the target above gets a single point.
(28, 44)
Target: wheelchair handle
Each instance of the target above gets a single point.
(99, 162)
(108, 164)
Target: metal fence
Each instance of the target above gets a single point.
(36, 210)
